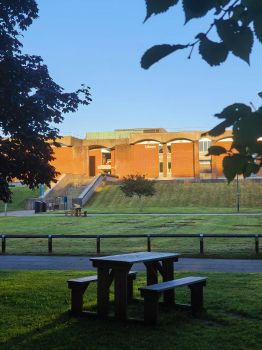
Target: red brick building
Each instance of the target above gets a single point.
(154, 153)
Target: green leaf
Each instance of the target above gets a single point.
(255, 148)
(233, 165)
(219, 4)
(238, 11)
(199, 8)
(222, 2)
(238, 39)
(259, 110)
(250, 168)
(235, 111)
(156, 6)
(213, 53)
(253, 6)
(219, 129)
(157, 52)
(246, 131)
(258, 26)
(216, 150)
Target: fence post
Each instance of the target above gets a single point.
(3, 244)
(257, 244)
(201, 244)
(97, 245)
(148, 243)
(50, 244)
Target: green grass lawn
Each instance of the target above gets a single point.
(34, 315)
(214, 247)
(20, 196)
(181, 198)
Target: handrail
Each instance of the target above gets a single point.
(89, 190)
(148, 237)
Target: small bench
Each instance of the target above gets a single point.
(152, 293)
(78, 287)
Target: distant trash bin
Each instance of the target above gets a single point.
(38, 206)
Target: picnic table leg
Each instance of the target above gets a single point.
(77, 295)
(151, 308)
(151, 273)
(168, 275)
(197, 297)
(103, 283)
(121, 294)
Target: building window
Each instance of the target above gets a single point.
(161, 167)
(204, 145)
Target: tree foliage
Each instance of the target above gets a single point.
(237, 23)
(30, 103)
(137, 185)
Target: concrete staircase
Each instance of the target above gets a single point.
(70, 186)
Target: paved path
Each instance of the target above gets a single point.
(15, 262)
(22, 213)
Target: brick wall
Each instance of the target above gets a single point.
(145, 160)
(182, 159)
(123, 160)
(70, 160)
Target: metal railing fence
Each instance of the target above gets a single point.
(147, 237)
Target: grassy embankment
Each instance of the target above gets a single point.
(34, 315)
(20, 196)
(214, 247)
(180, 198)
(171, 197)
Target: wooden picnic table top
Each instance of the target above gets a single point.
(132, 258)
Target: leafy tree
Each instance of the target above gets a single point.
(237, 23)
(30, 103)
(137, 185)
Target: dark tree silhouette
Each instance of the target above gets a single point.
(237, 23)
(30, 102)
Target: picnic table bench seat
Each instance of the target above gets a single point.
(152, 293)
(79, 285)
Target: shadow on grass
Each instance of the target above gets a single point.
(91, 333)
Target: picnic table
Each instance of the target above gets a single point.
(117, 267)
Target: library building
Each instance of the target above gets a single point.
(155, 153)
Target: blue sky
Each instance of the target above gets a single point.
(100, 43)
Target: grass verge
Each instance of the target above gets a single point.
(214, 247)
(19, 198)
(34, 315)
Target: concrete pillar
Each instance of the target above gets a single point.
(164, 160)
(196, 159)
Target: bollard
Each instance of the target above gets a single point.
(97, 245)
(3, 244)
(148, 243)
(257, 244)
(201, 244)
(50, 244)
